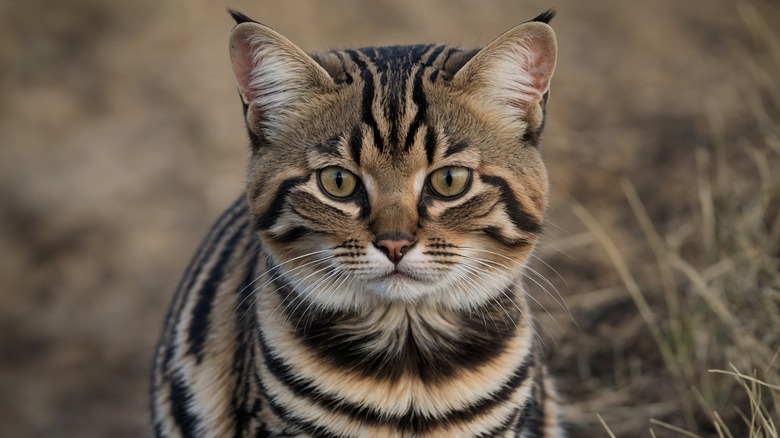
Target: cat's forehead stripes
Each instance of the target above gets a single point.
(330, 146)
(356, 143)
(455, 147)
(393, 103)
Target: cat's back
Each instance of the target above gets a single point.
(200, 370)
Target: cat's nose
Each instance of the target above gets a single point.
(394, 247)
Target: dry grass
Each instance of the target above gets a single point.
(717, 328)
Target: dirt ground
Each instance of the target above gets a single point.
(121, 140)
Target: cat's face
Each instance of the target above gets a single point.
(398, 174)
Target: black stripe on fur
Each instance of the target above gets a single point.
(236, 212)
(181, 398)
(200, 323)
(520, 219)
(326, 334)
(269, 218)
(412, 422)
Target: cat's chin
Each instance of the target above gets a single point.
(397, 286)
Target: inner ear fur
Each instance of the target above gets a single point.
(512, 74)
(274, 76)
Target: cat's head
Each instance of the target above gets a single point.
(398, 173)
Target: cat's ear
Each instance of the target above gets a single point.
(274, 76)
(511, 75)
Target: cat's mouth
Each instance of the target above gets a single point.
(398, 275)
(399, 285)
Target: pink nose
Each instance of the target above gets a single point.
(394, 249)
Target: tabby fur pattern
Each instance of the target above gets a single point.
(368, 283)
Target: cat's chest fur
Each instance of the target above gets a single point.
(428, 371)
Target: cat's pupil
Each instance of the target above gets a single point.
(448, 178)
(339, 179)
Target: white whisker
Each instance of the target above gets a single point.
(521, 267)
(276, 276)
(487, 275)
(316, 272)
(302, 296)
(337, 274)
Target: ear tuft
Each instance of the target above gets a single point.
(545, 17)
(273, 75)
(240, 17)
(512, 74)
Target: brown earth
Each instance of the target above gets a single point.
(121, 139)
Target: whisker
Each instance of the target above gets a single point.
(485, 274)
(526, 315)
(465, 291)
(531, 296)
(277, 276)
(560, 302)
(551, 268)
(316, 272)
(559, 299)
(485, 262)
(543, 243)
(334, 286)
(306, 293)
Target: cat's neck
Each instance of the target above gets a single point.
(395, 339)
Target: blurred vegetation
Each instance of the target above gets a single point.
(717, 328)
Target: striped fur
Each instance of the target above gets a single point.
(391, 309)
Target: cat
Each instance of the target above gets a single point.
(369, 280)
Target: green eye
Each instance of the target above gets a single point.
(337, 182)
(450, 181)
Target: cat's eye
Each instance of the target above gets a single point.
(450, 181)
(337, 182)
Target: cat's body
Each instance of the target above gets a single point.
(369, 281)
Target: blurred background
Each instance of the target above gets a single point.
(121, 140)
